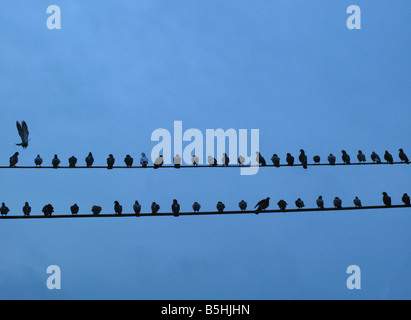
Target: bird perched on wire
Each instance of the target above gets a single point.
(388, 157)
(299, 203)
(175, 207)
(242, 205)
(159, 162)
(110, 161)
(345, 157)
(220, 207)
(196, 207)
(361, 157)
(89, 160)
(386, 199)
(38, 161)
(96, 210)
(143, 160)
(282, 205)
(337, 203)
(55, 162)
(4, 210)
(137, 208)
(260, 159)
(303, 158)
(154, 208)
(331, 159)
(177, 161)
(375, 157)
(262, 205)
(128, 160)
(14, 159)
(225, 160)
(74, 209)
(118, 209)
(241, 160)
(406, 199)
(195, 160)
(26, 209)
(276, 160)
(290, 159)
(72, 162)
(320, 202)
(48, 210)
(403, 156)
(212, 161)
(23, 133)
(357, 202)
(316, 159)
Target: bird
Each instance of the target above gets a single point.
(128, 160)
(320, 202)
(290, 159)
(243, 205)
(225, 160)
(262, 205)
(331, 159)
(55, 162)
(159, 162)
(177, 161)
(74, 209)
(154, 208)
(196, 207)
(220, 207)
(212, 161)
(38, 161)
(276, 160)
(361, 157)
(14, 159)
(406, 199)
(89, 160)
(195, 160)
(137, 208)
(4, 210)
(299, 203)
(282, 205)
(143, 160)
(386, 199)
(72, 162)
(403, 156)
(241, 160)
(345, 157)
(175, 207)
(375, 157)
(317, 159)
(48, 210)
(110, 161)
(96, 210)
(303, 158)
(260, 159)
(357, 202)
(337, 203)
(26, 209)
(118, 209)
(23, 133)
(388, 157)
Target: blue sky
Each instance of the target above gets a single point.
(118, 70)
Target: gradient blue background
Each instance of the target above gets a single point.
(117, 70)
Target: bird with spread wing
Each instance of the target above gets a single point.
(23, 133)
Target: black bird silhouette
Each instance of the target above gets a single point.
(38, 161)
(143, 160)
(345, 157)
(118, 209)
(110, 161)
(388, 157)
(89, 160)
(196, 207)
(4, 210)
(290, 159)
(331, 159)
(159, 162)
(175, 207)
(317, 159)
(386, 199)
(361, 157)
(357, 202)
(14, 159)
(320, 202)
(303, 158)
(48, 210)
(262, 205)
(220, 207)
(154, 208)
(55, 162)
(299, 203)
(128, 160)
(72, 162)
(403, 156)
(23, 133)
(276, 160)
(242, 205)
(96, 210)
(74, 209)
(225, 160)
(406, 199)
(337, 203)
(137, 208)
(375, 157)
(26, 209)
(282, 205)
(212, 161)
(260, 159)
